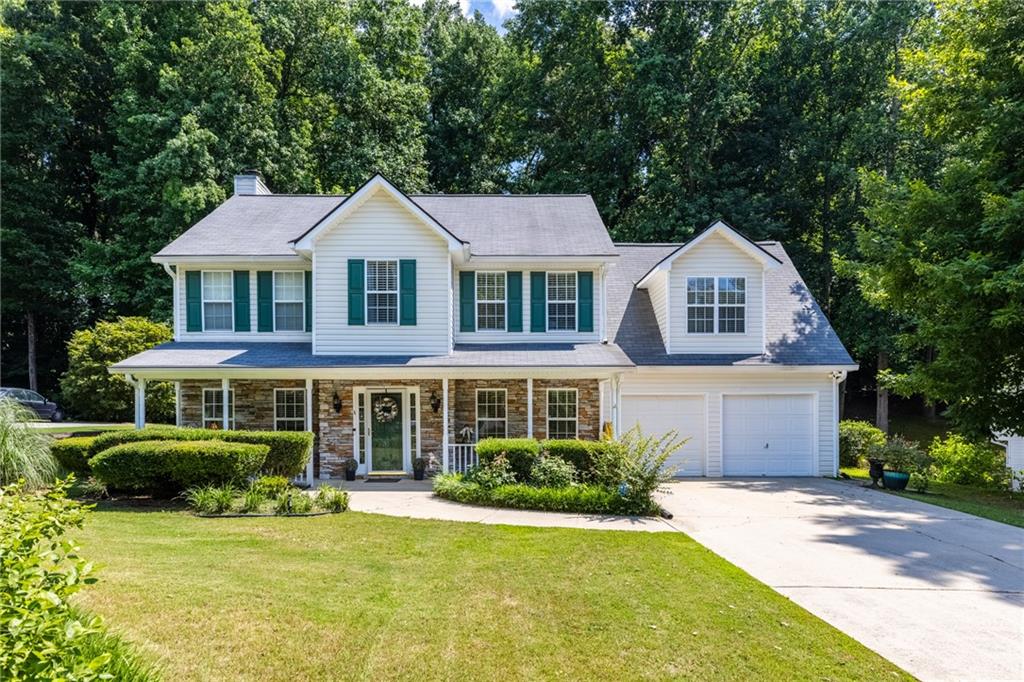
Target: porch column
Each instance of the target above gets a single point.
(529, 408)
(140, 404)
(177, 403)
(444, 424)
(309, 427)
(225, 389)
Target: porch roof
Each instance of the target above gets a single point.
(194, 355)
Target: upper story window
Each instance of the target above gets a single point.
(218, 301)
(561, 301)
(490, 301)
(716, 305)
(491, 413)
(289, 301)
(382, 292)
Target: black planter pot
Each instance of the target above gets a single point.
(895, 480)
(417, 474)
(875, 471)
(350, 475)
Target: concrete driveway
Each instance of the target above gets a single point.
(937, 592)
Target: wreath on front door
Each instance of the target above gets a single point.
(385, 410)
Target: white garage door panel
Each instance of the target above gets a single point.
(659, 414)
(768, 435)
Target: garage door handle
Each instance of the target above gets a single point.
(766, 446)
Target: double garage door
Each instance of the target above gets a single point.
(762, 435)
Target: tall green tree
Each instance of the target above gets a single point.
(948, 253)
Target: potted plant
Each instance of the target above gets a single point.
(419, 467)
(901, 458)
(350, 469)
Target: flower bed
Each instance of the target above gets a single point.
(267, 496)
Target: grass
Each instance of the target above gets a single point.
(358, 596)
(987, 503)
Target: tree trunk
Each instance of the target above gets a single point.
(33, 374)
(882, 395)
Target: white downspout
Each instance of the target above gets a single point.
(836, 378)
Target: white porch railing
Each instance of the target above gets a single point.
(461, 456)
(305, 479)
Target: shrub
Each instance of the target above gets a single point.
(496, 472)
(92, 392)
(577, 499)
(73, 453)
(856, 439)
(170, 466)
(287, 456)
(899, 454)
(645, 470)
(210, 499)
(24, 451)
(331, 499)
(520, 452)
(272, 486)
(44, 637)
(252, 500)
(552, 472)
(293, 502)
(958, 460)
(595, 461)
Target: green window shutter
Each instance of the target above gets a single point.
(585, 301)
(309, 300)
(242, 301)
(538, 302)
(514, 301)
(194, 301)
(407, 293)
(264, 301)
(467, 301)
(356, 291)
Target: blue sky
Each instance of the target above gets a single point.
(494, 11)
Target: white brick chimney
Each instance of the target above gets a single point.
(250, 182)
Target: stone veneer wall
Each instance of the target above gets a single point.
(254, 402)
(465, 403)
(588, 406)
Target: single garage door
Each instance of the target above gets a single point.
(659, 414)
(768, 435)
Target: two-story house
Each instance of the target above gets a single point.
(394, 326)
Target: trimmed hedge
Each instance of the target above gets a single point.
(596, 461)
(288, 454)
(73, 453)
(522, 453)
(575, 499)
(173, 465)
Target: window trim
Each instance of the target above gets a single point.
(274, 301)
(203, 301)
(367, 291)
(301, 419)
(547, 411)
(477, 300)
(476, 412)
(548, 301)
(220, 399)
(714, 305)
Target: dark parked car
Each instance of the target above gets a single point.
(46, 409)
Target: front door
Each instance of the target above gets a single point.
(387, 444)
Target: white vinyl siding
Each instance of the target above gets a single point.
(289, 301)
(658, 291)
(682, 381)
(716, 258)
(218, 301)
(381, 229)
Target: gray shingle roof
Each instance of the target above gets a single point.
(797, 331)
(210, 355)
(494, 225)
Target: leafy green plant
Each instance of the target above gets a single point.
(272, 486)
(856, 438)
(331, 499)
(92, 392)
(593, 459)
(958, 460)
(24, 451)
(576, 499)
(920, 480)
(44, 637)
(899, 454)
(73, 453)
(252, 500)
(552, 472)
(91, 489)
(645, 468)
(293, 502)
(211, 499)
(521, 453)
(498, 471)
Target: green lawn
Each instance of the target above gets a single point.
(985, 502)
(359, 596)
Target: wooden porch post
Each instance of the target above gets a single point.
(444, 424)
(529, 407)
(225, 388)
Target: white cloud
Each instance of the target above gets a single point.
(464, 6)
(503, 8)
(417, 3)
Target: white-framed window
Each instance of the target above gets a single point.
(289, 301)
(218, 301)
(382, 292)
(562, 413)
(289, 409)
(490, 301)
(562, 301)
(491, 413)
(716, 305)
(213, 407)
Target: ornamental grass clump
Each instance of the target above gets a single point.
(293, 502)
(210, 499)
(24, 451)
(331, 499)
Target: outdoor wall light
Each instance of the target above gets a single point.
(435, 402)
(337, 402)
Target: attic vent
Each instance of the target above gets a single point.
(250, 182)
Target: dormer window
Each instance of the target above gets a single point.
(382, 292)
(490, 301)
(218, 301)
(716, 305)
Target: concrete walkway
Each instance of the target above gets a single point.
(937, 592)
(413, 499)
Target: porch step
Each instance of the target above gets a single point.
(386, 474)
